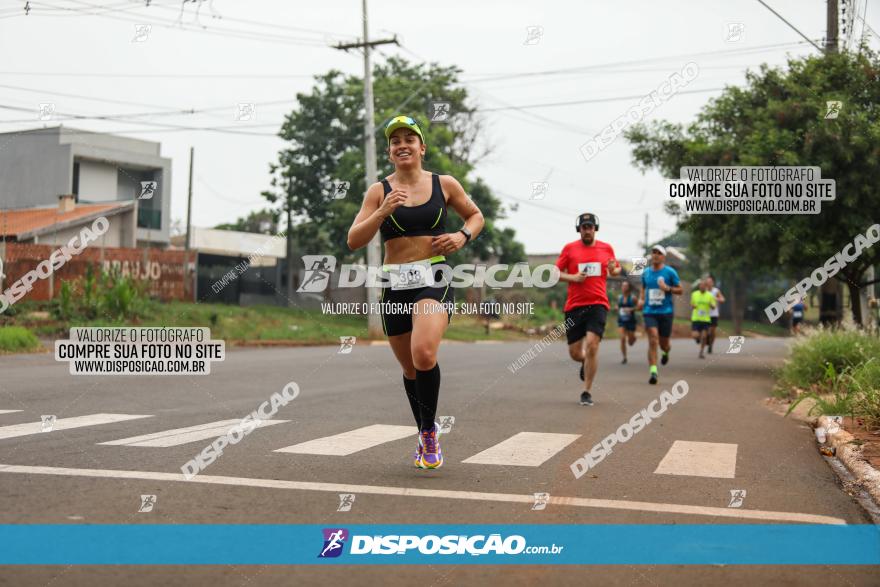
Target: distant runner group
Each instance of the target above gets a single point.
(586, 264)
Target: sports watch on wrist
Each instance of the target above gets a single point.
(466, 233)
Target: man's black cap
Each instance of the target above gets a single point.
(587, 218)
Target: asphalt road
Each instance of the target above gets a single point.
(743, 445)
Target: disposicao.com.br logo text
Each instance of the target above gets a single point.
(450, 544)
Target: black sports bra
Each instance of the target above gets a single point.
(428, 219)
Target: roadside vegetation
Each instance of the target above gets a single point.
(109, 299)
(16, 339)
(839, 370)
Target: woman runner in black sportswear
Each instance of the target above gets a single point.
(409, 209)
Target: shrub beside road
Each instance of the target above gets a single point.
(837, 373)
(839, 370)
(15, 339)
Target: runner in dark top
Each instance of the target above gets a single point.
(626, 318)
(409, 208)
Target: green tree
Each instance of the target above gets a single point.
(778, 118)
(326, 149)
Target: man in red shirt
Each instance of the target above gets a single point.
(586, 264)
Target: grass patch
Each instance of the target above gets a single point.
(257, 323)
(16, 339)
(844, 350)
(839, 369)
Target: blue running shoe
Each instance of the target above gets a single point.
(432, 456)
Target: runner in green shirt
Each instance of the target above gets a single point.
(702, 302)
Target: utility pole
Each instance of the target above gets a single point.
(189, 204)
(831, 26)
(374, 252)
(289, 252)
(646, 233)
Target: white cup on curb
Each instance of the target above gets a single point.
(820, 434)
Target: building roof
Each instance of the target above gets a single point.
(25, 223)
(233, 243)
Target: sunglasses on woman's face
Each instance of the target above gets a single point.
(405, 119)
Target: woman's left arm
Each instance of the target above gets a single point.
(459, 201)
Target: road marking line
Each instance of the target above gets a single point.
(524, 449)
(699, 459)
(65, 424)
(585, 502)
(352, 441)
(179, 436)
(8, 411)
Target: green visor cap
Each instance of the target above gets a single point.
(403, 122)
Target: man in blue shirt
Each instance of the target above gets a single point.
(659, 283)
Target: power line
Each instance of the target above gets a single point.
(148, 123)
(589, 101)
(81, 97)
(161, 75)
(533, 118)
(268, 24)
(568, 214)
(170, 111)
(794, 28)
(679, 57)
(223, 32)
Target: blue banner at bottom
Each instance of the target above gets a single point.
(256, 544)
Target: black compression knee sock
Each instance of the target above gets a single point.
(410, 386)
(428, 388)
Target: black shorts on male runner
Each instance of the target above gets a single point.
(395, 321)
(662, 322)
(714, 320)
(585, 319)
(699, 326)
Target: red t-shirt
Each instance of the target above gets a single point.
(577, 257)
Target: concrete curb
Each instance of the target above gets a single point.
(851, 457)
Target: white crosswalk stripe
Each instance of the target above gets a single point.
(29, 428)
(699, 459)
(179, 436)
(525, 449)
(352, 441)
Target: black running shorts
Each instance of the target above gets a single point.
(662, 322)
(397, 304)
(585, 319)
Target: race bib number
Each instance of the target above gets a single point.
(656, 297)
(412, 276)
(797, 314)
(625, 313)
(590, 269)
(702, 313)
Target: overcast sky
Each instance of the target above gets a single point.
(81, 56)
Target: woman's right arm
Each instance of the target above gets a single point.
(373, 211)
